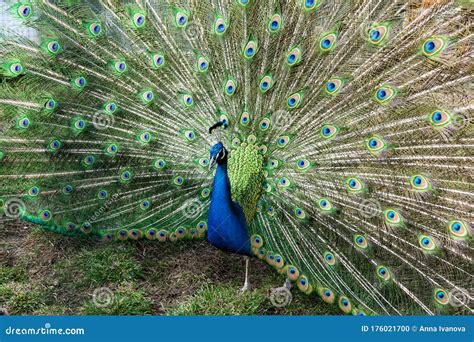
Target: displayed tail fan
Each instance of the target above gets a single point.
(348, 126)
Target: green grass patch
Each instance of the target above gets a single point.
(21, 299)
(12, 273)
(126, 300)
(105, 264)
(222, 300)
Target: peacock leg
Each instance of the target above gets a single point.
(246, 286)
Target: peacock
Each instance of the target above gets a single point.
(331, 139)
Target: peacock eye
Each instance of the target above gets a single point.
(79, 124)
(333, 86)
(205, 192)
(138, 20)
(220, 26)
(294, 100)
(325, 205)
(147, 96)
(327, 42)
(284, 182)
(245, 118)
(110, 107)
(283, 141)
(302, 164)
(385, 94)
(50, 104)
(294, 56)
(360, 241)
(273, 164)
(187, 100)
(256, 241)
(243, 3)
(458, 229)
(230, 87)
(125, 176)
(54, 145)
(310, 5)
(251, 139)
(67, 189)
(16, 68)
(329, 258)
(181, 19)
(94, 29)
(420, 183)
(202, 64)
(120, 67)
(433, 46)
(33, 191)
(377, 34)
(203, 162)
(158, 60)
(439, 118)
(264, 124)
(79, 82)
(190, 135)
(145, 137)
(375, 145)
(383, 273)
(441, 296)
(45, 215)
(354, 185)
(178, 180)
(250, 49)
(266, 83)
(159, 164)
(392, 217)
(236, 142)
(53, 47)
(103, 194)
(274, 24)
(111, 149)
(88, 160)
(300, 213)
(24, 11)
(326, 294)
(24, 123)
(426, 243)
(345, 304)
(145, 205)
(329, 131)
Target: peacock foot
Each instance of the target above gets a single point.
(245, 288)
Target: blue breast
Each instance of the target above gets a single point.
(227, 228)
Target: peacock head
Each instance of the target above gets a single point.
(218, 154)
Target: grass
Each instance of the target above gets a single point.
(47, 274)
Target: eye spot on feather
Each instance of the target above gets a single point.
(345, 305)
(34, 191)
(274, 24)
(441, 296)
(459, 230)
(383, 273)
(327, 42)
(24, 11)
(433, 46)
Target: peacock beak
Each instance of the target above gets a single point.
(212, 162)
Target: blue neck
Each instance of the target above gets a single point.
(227, 228)
(221, 183)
